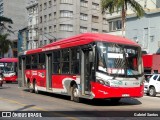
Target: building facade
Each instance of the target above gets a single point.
(22, 40)
(32, 10)
(114, 20)
(145, 31)
(64, 18)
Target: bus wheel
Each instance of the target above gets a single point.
(152, 92)
(75, 94)
(35, 87)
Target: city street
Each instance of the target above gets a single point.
(13, 98)
(87, 49)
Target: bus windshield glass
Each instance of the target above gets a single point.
(119, 60)
(9, 67)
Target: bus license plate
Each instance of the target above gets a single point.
(125, 95)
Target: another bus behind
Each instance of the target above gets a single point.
(9, 69)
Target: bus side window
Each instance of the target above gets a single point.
(56, 62)
(28, 62)
(65, 61)
(75, 61)
(34, 61)
(41, 61)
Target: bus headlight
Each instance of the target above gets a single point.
(101, 82)
(107, 83)
(12, 75)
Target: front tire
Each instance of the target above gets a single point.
(75, 93)
(152, 92)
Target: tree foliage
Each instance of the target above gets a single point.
(5, 44)
(3, 26)
(122, 5)
(5, 19)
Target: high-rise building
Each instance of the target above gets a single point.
(16, 10)
(32, 9)
(64, 18)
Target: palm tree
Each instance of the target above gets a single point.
(4, 44)
(116, 5)
(4, 20)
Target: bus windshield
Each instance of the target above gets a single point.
(120, 60)
(8, 65)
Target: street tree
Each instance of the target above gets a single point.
(3, 26)
(122, 5)
(5, 44)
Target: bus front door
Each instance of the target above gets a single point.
(86, 70)
(49, 71)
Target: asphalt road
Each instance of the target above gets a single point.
(13, 98)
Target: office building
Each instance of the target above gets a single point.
(64, 18)
(32, 10)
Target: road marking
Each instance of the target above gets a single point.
(38, 108)
(13, 101)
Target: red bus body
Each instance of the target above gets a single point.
(58, 80)
(151, 63)
(156, 64)
(147, 60)
(8, 60)
(9, 77)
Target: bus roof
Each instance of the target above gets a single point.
(83, 39)
(7, 60)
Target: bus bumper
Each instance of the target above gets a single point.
(102, 91)
(10, 79)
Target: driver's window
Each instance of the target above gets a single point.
(158, 79)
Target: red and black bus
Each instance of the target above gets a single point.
(9, 69)
(88, 65)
